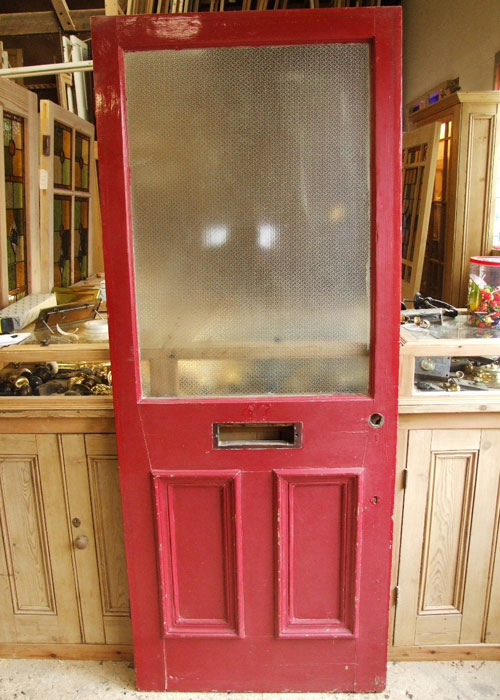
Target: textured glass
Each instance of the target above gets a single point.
(251, 218)
(15, 213)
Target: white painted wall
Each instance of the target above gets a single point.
(444, 39)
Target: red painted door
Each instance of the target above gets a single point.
(250, 178)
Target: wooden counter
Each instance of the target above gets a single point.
(63, 581)
(446, 567)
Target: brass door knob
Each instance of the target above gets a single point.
(81, 542)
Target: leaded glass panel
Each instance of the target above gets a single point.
(81, 238)
(62, 155)
(14, 155)
(82, 145)
(62, 241)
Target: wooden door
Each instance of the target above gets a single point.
(250, 173)
(97, 537)
(38, 600)
(446, 582)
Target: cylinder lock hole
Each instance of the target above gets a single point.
(376, 420)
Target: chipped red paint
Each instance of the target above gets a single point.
(254, 605)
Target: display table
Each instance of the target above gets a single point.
(446, 571)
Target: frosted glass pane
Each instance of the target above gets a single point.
(251, 218)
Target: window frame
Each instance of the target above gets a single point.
(17, 100)
(50, 113)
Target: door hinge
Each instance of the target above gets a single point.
(46, 145)
(404, 478)
(396, 594)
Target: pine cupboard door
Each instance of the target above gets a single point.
(447, 564)
(38, 600)
(250, 168)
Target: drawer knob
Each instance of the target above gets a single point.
(81, 542)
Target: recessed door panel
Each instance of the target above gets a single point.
(250, 174)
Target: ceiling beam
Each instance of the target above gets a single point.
(62, 11)
(23, 23)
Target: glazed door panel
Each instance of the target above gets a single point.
(250, 181)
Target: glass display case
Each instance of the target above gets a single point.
(450, 359)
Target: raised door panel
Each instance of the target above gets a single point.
(491, 628)
(481, 620)
(37, 592)
(104, 491)
(198, 517)
(317, 525)
(442, 470)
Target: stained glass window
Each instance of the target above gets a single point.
(81, 238)
(82, 145)
(14, 154)
(62, 156)
(62, 241)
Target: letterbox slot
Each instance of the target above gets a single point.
(257, 435)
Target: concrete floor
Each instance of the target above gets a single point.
(22, 679)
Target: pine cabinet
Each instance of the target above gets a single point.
(62, 559)
(461, 221)
(448, 563)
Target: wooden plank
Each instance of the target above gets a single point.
(60, 422)
(14, 445)
(96, 445)
(452, 405)
(482, 540)
(449, 346)
(437, 629)
(455, 440)
(85, 559)
(63, 15)
(84, 652)
(23, 23)
(406, 375)
(71, 352)
(467, 652)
